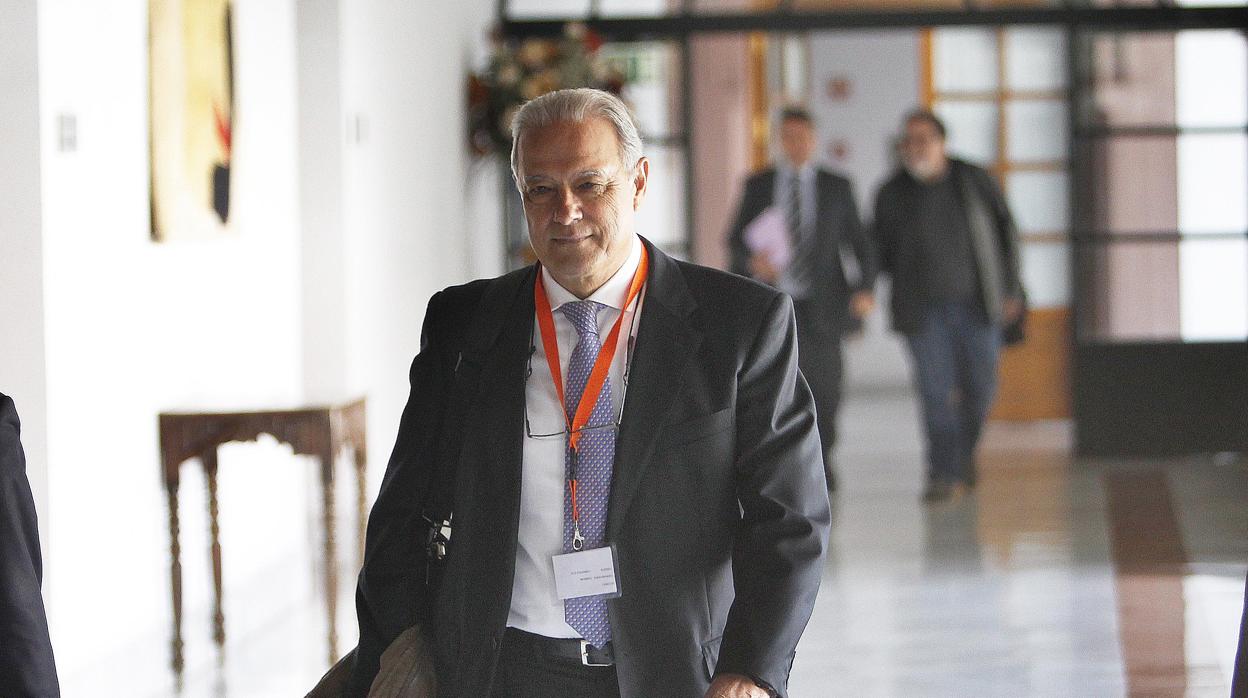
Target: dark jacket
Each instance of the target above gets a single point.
(840, 235)
(717, 510)
(994, 242)
(27, 668)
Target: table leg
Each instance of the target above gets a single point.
(331, 557)
(175, 573)
(214, 529)
(361, 501)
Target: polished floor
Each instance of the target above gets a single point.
(1040, 583)
(1053, 578)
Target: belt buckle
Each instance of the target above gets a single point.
(585, 655)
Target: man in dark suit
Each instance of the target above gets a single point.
(947, 239)
(27, 668)
(827, 266)
(678, 462)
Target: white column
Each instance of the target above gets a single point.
(23, 373)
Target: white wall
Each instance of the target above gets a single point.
(404, 67)
(483, 201)
(322, 139)
(22, 363)
(882, 71)
(278, 311)
(134, 327)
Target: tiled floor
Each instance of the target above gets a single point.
(1015, 590)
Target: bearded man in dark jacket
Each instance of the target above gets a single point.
(946, 238)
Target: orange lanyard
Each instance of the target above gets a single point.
(597, 376)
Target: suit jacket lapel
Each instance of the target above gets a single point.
(665, 343)
(495, 434)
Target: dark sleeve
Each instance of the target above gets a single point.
(884, 231)
(391, 596)
(1239, 680)
(856, 235)
(27, 667)
(1007, 234)
(748, 209)
(777, 559)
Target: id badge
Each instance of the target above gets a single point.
(587, 573)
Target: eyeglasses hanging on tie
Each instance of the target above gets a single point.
(619, 416)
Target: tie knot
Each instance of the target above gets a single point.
(584, 316)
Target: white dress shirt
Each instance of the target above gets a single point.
(534, 605)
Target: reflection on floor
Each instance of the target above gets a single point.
(1053, 578)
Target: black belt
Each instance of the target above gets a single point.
(569, 649)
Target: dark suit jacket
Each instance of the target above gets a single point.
(27, 667)
(994, 242)
(839, 231)
(718, 507)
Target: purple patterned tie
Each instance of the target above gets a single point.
(596, 456)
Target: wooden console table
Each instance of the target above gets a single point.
(319, 431)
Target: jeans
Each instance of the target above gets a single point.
(955, 372)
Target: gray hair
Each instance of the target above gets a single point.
(576, 105)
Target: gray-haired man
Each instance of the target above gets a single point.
(638, 501)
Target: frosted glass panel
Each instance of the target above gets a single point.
(1046, 273)
(972, 129)
(1212, 72)
(1213, 183)
(964, 60)
(661, 217)
(1134, 291)
(1036, 130)
(532, 9)
(649, 89)
(1139, 191)
(1039, 201)
(1035, 58)
(632, 8)
(1132, 81)
(1213, 287)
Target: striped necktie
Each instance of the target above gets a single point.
(801, 264)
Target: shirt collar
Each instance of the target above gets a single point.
(804, 173)
(613, 293)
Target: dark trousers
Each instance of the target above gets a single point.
(526, 671)
(819, 358)
(955, 356)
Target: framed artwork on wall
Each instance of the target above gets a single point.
(191, 102)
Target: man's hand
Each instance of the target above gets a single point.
(861, 304)
(735, 686)
(762, 269)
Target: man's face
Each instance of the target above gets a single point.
(923, 150)
(580, 200)
(797, 140)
